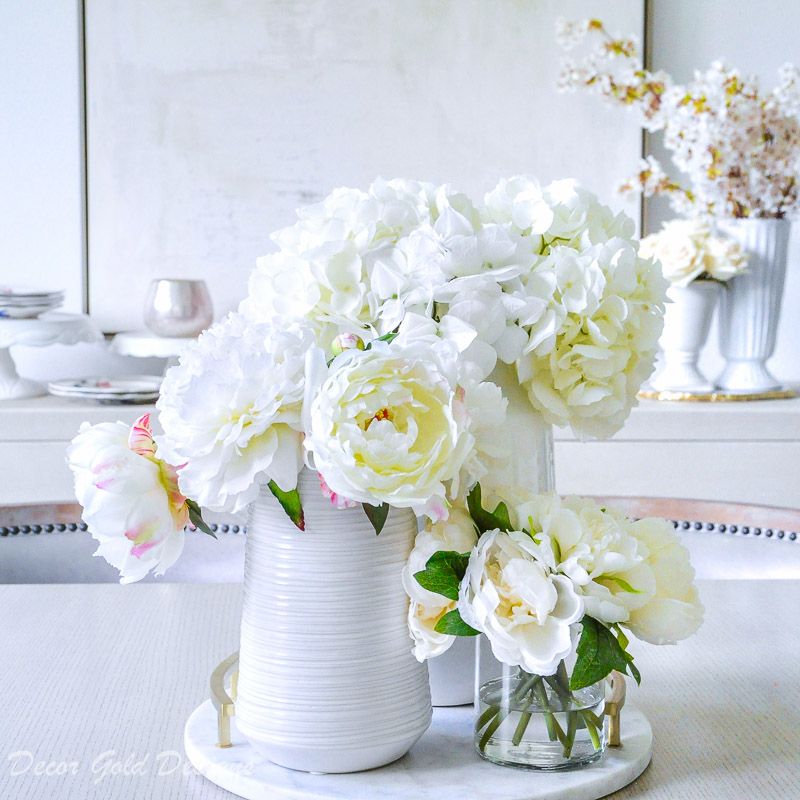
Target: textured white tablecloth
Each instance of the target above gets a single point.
(100, 679)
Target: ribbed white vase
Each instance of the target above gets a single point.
(751, 305)
(527, 444)
(327, 681)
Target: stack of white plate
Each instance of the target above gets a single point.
(24, 302)
(110, 391)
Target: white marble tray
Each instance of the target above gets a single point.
(442, 764)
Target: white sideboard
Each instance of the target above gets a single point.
(748, 452)
(744, 452)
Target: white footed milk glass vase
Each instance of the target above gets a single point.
(527, 444)
(327, 680)
(751, 305)
(686, 324)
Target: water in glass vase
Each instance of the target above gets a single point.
(535, 722)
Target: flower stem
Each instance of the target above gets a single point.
(572, 729)
(554, 730)
(590, 726)
(492, 727)
(524, 719)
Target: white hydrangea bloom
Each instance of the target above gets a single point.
(595, 345)
(231, 410)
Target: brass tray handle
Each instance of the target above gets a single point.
(224, 702)
(615, 699)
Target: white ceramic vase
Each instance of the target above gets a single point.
(527, 444)
(751, 306)
(686, 323)
(327, 680)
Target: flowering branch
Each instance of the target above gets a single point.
(739, 147)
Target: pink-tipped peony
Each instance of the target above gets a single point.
(130, 498)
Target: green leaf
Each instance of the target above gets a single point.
(538, 541)
(290, 502)
(196, 518)
(387, 337)
(487, 520)
(377, 515)
(452, 624)
(599, 653)
(624, 585)
(443, 573)
(637, 676)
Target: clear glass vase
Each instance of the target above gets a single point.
(536, 722)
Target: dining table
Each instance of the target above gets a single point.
(97, 682)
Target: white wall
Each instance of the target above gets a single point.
(41, 146)
(209, 123)
(757, 38)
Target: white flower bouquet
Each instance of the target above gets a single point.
(739, 147)
(547, 579)
(364, 349)
(688, 251)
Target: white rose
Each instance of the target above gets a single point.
(674, 611)
(724, 258)
(389, 425)
(232, 410)
(511, 594)
(130, 498)
(456, 533)
(680, 248)
(595, 550)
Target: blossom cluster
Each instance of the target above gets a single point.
(687, 251)
(532, 571)
(739, 146)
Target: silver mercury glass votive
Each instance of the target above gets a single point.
(177, 308)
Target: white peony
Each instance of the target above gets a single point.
(130, 498)
(456, 533)
(232, 410)
(674, 611)
(595, 549)
(390, 425)
(512, 594)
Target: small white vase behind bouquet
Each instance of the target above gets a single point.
(697, 265)
(686, 324)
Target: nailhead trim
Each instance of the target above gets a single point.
(61, 527)
(710, 527)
